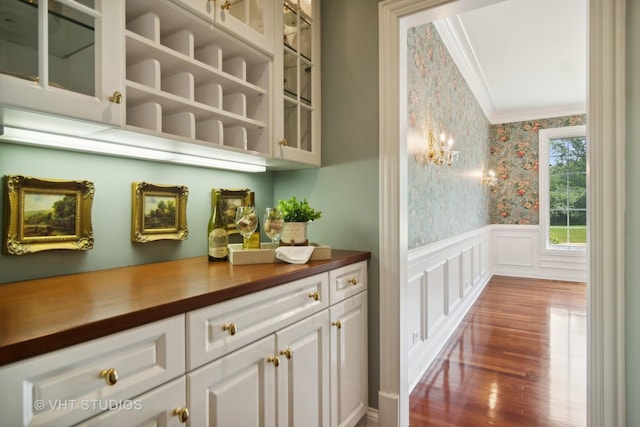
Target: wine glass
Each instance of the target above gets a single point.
(273, 224)
(246, 220)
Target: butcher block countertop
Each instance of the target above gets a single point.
(42, 315)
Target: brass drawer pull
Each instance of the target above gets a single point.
(182, 413)
(337, 324)
(110, 376)
(275, 360)
(288, 353)
(226, 5)
(353, 281)
(315, 296)
(283, 141)
(231, 328)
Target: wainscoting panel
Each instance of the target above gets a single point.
(416, 332)
(436, 296)
(518, 251)
(446, 277)
(454, 282)
(452, 274)
(467, 270)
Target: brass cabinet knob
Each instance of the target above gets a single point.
(116, 97)
(226, 5)
(315, 296)
(110, 376)
(275, 360)
(182, 413)
(231, 328)
(353, 281)
(337, 324)
(288, 353)
(283, 141)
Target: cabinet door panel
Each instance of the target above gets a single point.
(349, 393)
(80, 60)
(236, 390)
(303, 378)
(252, 20)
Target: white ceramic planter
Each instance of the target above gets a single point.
(294, 233)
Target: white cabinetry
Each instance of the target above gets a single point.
(349, 384)
(191, 82)
(303, 375)
(183, 81)
(281, 357)
(251, 20)
(349, 352)
(236, 390)
(73, 384)
(63, 58)
(297, 83)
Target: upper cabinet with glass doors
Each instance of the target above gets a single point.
(250, 20)
(62, 57)
(297, 85)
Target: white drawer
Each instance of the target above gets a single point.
(161, 406)
(216, 330)
(65, 387)
(347, 281)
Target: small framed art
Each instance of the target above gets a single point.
(231, 199)
(46, 214)
(159, 212)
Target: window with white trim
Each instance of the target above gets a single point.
(563, 187)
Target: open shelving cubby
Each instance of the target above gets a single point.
(190, 80)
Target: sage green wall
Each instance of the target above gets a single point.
(111, 213)
(632, 227)
(345, 189)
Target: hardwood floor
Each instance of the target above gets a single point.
(517, 359)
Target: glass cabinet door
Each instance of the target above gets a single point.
(53, 50)
(300, 81)
(251, 20)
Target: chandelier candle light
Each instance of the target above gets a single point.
(443, 152)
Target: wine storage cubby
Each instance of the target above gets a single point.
(185, 78)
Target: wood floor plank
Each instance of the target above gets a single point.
(517, 359)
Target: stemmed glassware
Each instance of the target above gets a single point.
(273, 224)
(246, 220)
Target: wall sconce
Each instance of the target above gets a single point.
(440, 153)
(490, 180)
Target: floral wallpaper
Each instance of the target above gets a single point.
(514, 158)
(443, 200)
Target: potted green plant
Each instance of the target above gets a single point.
(297, 214)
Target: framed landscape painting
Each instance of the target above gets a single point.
(231, 199)
(46, 214)
(159, 212)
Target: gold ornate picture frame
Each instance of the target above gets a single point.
(46, 214)
(231, 199)
(159, 212)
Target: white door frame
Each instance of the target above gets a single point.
(606, 136)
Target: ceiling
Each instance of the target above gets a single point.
(522, 59)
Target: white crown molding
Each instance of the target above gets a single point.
(537, 114)
(455, 39)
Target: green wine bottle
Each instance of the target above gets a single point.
(218, 236)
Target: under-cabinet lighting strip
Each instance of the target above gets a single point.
(52, 140)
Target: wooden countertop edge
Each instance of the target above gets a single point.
(38, 345)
